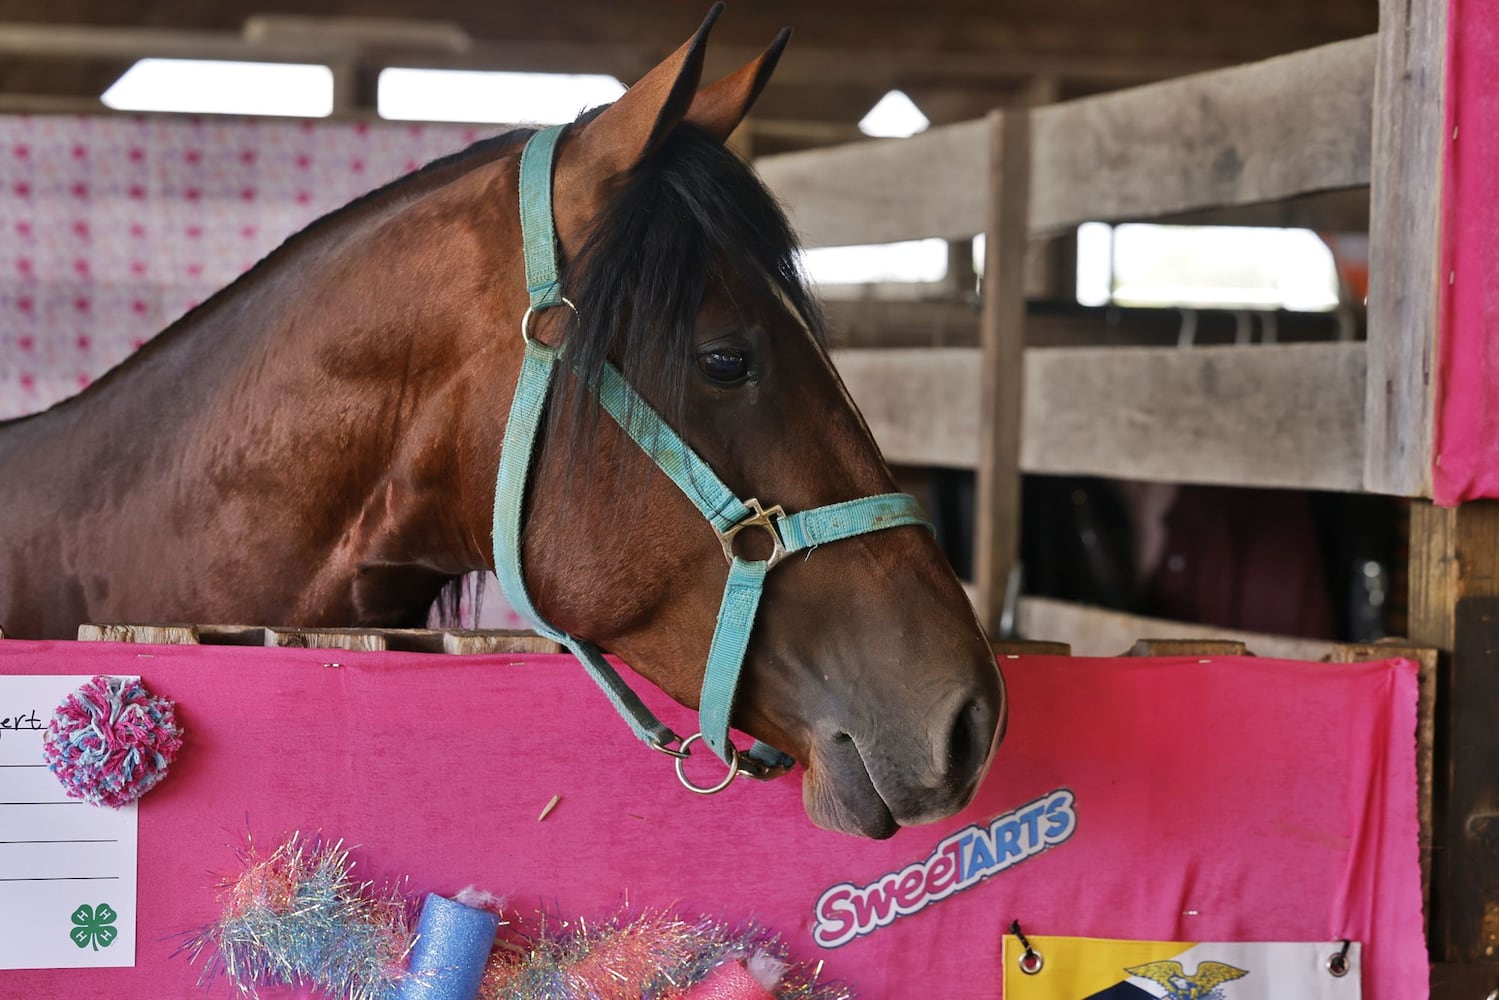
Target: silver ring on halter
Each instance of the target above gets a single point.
(699, 789)
(525, 321)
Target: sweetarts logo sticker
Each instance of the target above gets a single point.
(963, 859)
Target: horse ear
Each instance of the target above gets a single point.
(626, 131)
(719, 108)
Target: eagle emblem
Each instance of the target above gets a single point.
(1202, 985)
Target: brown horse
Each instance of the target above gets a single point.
(317, 445)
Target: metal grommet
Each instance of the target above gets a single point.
(1030, 962)
(699, 789)
(1337, 962)
(525, 320)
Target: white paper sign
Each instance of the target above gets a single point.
(67, 869)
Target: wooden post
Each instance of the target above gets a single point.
(1405, 286)
(1002, 341)
(1454, 606)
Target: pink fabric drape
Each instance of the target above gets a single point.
(1165, 799)
(1465, 465)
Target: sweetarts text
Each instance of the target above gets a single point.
(963, 859)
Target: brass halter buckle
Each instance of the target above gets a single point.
(759, 518)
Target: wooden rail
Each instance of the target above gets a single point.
(410, 640)
(1268, 131)
(1286, 415)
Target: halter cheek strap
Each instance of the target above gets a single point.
(725, 511)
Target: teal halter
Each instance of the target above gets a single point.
(725, 512)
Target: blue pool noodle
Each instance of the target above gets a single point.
(452, 947)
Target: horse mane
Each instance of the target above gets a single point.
(691, 216)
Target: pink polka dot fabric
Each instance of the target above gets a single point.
(112, 227)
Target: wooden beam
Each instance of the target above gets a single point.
(1279, 415)
(78, 41)
(883, 191)
(1454, 605)
(147, 635)
(1001, 348)
(1255, 133)
(1101, 632)
(1188, 647)
(922, 404)
(1405, 283)
(1264, 132)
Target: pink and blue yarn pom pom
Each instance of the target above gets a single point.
(111, 741)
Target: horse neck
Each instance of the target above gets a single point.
(312, 413)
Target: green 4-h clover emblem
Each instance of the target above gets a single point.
(95, 925)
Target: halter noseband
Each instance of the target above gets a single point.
(724, 511)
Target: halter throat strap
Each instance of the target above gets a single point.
(722, 508)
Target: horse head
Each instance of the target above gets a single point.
(318, 445)
(866, 661)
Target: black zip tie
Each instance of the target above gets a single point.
(1031, 961)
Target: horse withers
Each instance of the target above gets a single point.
(317, 445)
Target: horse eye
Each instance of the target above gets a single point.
(724, 365)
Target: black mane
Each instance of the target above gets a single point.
(688, 217)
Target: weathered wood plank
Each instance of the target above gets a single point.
(1281, 415)
(1001, 348)
(1101, 632)
(409, 640)
(1260, 132)
(883, 191)
(1405, 281)
(465, 641)
(1188, 647)
(149, 635)
(355, 639)
(1029, 647)
(1266, 131)
(1285, 415)
(1454, 606)
(921, 403)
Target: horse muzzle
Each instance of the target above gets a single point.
(869, 780)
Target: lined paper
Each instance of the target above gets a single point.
(67, 869)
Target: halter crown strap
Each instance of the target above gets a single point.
(723, 509)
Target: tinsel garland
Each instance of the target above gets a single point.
(650, 956)
(296, 917)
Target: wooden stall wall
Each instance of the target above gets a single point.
(1378, 117)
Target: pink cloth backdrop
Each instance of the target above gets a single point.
(1231, 799)
(1466, 464)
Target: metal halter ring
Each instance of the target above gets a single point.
(701, 790)
(525, 321)
(760, 517)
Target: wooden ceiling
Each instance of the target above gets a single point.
(955, 58)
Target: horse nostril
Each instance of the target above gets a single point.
(968, 746)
